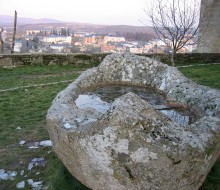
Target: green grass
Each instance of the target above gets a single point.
(27, 108)
(29, 75)
(204, 75)
(212, 181)
(61, 179)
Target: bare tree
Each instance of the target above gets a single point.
(14, 33)
(176, 22)
(1, 41)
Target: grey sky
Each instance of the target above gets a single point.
(128, 12)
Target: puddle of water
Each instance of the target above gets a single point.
(178, 116)
(101, 99)
(92, 101)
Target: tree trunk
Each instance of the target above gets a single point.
(14, 33)
(173, 58)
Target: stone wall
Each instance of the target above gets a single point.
(188, 58)
(50, 59)
(85, 59)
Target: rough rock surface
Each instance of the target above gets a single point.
(133, 146)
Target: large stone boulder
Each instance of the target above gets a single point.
(131, 145)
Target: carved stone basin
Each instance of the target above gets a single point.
(135, 123)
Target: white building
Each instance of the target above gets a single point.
(18, 46)
(4, 33)
(113, 39)
(34, 32)
(60, 47)
(136, 49)
(80, 34)
(57, 39)
(78, 44)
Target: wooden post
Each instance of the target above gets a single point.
(14, 33)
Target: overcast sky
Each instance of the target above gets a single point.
(128, 12)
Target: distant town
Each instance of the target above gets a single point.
(50, 39)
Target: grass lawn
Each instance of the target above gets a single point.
(26, 108)
(208, 75)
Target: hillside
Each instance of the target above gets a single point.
(30, 23)
(102, 29)
(5, 19)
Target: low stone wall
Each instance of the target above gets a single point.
(8, 60)
(188, 58)
(50, 59)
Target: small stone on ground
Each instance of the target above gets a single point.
(22, 142)
(46, 143)
(20, 185)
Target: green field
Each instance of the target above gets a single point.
(208, 75)
(26, 108)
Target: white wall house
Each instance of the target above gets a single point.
(60, 48)
(34, 32)
(57, 39)
(18, 46)
(136, 50)
(113, 39)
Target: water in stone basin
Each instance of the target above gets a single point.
(101, 99)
